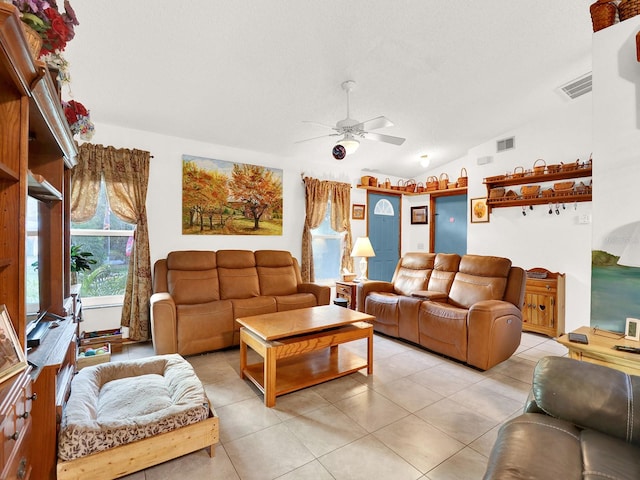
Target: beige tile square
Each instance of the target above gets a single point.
(243, 418)
(462, 423)
(365, 459)
(311, 471)
(195, 465)
(419, 443)
(298, 403)
(228, 392)
(465, 465)
(371, 410)
(340, 388)
(325, 430)
(408, 394)
(269, 453)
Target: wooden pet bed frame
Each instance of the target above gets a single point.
(133, 457)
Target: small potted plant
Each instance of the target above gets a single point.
(80, 261)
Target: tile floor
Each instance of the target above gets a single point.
(419, 416)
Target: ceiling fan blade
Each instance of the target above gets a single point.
(332, 127)
(374, 123)
(383, 138)
(321, 136)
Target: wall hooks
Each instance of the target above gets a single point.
(524, 211)
(557, 209)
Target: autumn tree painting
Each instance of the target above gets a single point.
(226, 198)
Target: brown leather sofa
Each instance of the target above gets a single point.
(468, 308)
(581, 421)
(199, 294)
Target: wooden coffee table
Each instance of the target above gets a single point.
(600, 350)
(299, 348)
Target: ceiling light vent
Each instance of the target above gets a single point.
(506, 144)
(578, 87)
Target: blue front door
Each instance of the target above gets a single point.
(451, 225)
(384, 233)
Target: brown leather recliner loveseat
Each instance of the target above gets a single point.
(582, 420)
(468, 308)
(198, 295)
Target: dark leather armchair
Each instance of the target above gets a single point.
(582, 421)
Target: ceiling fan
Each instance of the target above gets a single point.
(352, 130)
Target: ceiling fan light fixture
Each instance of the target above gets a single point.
(349, 143)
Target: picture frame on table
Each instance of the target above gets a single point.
(479, 210)
(12, 356)
(419, 215)
(632, 329)
(358, 211)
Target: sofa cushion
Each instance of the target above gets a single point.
(191, 260)
(248, 307)
(479, 278)
(413, 272)
(444, 270)
(443, 328)
(188, 287)
(276, 273)
(238, 274)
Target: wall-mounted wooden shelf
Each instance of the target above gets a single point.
(448, 191)
(39, 188)
(518, 200)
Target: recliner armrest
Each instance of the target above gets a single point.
(164, 325)
(321, 292)
(364, 288)
(589, 395)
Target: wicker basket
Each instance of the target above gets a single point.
(410, 186)
(563, 188)
(463, 179)
(568, 167)
(496, 192)
(554, 168)
(443, 181)
(518, 172)
(419, 187)
(603, 14)
(538, 168)
(432, 183)
(34, 40)
(530, 191)
(628, 9)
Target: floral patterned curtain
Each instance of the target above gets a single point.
(317, 196)
(126, 175)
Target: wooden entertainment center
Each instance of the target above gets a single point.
(37, 152)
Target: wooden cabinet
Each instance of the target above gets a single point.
(347, 290)
(499, 195)
(54, 366)
(543, 310)
(37, 151)
(16, 400)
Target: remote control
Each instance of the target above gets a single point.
(624, 348)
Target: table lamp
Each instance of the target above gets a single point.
(364, 250)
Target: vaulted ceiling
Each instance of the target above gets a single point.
(246, 74)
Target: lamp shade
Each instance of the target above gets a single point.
(349, 143)
(363, 248)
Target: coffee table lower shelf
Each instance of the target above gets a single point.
(302, 371)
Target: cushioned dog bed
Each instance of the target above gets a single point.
(122, 403)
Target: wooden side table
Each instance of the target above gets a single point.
(347, 290)
(600, 350)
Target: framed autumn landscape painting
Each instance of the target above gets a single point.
(228, 198)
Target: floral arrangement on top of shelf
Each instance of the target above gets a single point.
(541, 172)
(432, 183)
(55, 30)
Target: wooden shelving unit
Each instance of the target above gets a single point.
(538, 199)
(448, 191)
(37, 151)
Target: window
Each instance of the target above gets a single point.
(327, 250)
(110, 240)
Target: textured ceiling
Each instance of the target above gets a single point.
(450, 75)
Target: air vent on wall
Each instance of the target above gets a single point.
(506, 144)
(577, 87)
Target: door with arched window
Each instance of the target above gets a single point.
(383, 224)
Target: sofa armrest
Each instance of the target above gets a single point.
(364, 288)
(321, 292)
(496, 328)
(164, 324)
(589, 395)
